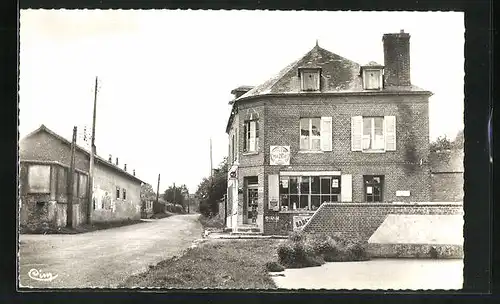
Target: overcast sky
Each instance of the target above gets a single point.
(166, 76)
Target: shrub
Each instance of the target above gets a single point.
(298, 254)
(274, 267)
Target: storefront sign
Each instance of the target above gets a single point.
(280, 155)
(369, 190)
(299, 221)
(335, 183)
(271, 218)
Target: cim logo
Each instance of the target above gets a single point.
(280, 155)
(39, 275)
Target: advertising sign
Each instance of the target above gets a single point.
(280, 155)
(299, 221)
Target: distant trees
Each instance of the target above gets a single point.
(443, 143)
(212, 190)
(176, 195)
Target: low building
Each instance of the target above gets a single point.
(45, 160)
(447, 175)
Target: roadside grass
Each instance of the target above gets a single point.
(225, 264)
(162, 215)
(80, 229)
(211, 222)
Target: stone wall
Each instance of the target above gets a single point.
(362, 219)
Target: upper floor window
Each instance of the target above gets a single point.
(124, 192)
(251, 136)
(372, 76)
(310, 79)
(373, 134)
(316, 134)
(117, 192)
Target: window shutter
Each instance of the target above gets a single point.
(252, 136)
(356, 133)
(245, 137)
(326, 133)
(390, 133)
(273, 181)
(346, 188)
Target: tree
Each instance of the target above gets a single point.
(147, 193)
(443, 143)
(458, 143)
(178, 198)
(212, 190)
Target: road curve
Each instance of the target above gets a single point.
(105, 258)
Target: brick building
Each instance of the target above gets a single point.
(327, 129)
(447, 175)
(45, 159)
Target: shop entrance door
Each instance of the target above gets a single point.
(251, 203)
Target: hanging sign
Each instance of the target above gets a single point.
(280, 155)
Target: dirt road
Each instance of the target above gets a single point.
(103, 258)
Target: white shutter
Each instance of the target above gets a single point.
(390, 133)
(356, 133)
(252, 136)
(273, 188)
(346, 188)
(326, 133)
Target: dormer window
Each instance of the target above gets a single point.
(310, 79)
(372, 76)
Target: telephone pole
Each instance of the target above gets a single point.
(92, 153)
(71, 181)
(158, 189)
(174, 196)
(211, 165)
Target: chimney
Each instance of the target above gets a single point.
(125, 167)
(397, 59)
(110, 159)
(133, 172)
(117, 161)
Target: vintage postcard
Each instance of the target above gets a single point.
(260, 150)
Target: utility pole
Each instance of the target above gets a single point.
(158, 189)
(92, 154)
(211, 165)
(71, 181)
(174, 196)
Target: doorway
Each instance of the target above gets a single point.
(251, 201)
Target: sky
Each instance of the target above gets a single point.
(165, 76)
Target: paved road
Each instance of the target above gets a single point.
(104, 258)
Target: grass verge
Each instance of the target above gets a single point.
(80, 229)
(226, 264)
(211, 222)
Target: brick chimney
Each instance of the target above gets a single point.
(125, 167)
(133, 172)
(397, 59)
(117, 161)
(110, 159)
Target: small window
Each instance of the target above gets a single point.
(310, 79)
(251, 136)
(124, 194)
(39, 179)
(372, 79)
(373, 188)
(117, 192)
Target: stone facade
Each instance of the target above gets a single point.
(48, 206)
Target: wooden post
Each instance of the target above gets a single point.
(158, 189)
(174, 196)
(71, 181)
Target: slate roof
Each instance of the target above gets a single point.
(338, 75)
(447, 161)
(97, 158)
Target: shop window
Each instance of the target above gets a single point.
(373, 188)
(308, 192)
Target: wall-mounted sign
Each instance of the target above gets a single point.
(369, 190)
(402, 193)
(280, 155)
(299, 221)
(335, 183)
(273, 204)
(271, 218)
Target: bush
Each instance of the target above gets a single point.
(302, 250)
(274, 267)
(211, 222)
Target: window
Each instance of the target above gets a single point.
(39, 179)
(310, 134)
(310, 79)
(83, 180)
(373, 185)
(124, 193)
(373, 134)
(308, 192)
(372, 79)
(251, 136)
(117, 192)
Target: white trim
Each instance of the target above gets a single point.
(310, 173)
